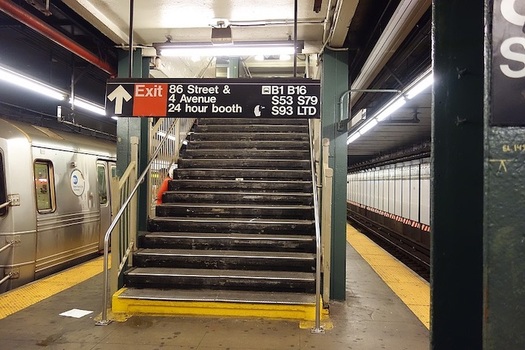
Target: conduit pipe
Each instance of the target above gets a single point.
(43, 28)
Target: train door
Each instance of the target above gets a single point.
(104, 169)
(4, 202)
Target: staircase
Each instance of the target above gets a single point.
(237, 223)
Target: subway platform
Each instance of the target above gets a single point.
(386, 307)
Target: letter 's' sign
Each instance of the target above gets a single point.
(508, 63)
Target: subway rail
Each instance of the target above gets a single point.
(55, 200)
(391, 204)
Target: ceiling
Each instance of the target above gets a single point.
(388, 43)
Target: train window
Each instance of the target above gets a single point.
(44, 186)
(102, 187)
(3, 191)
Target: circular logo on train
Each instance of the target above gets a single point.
(77, 182)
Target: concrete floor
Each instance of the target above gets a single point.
(372, 317)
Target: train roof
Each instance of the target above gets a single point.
(40, 136)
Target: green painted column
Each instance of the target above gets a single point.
(457, 175)
(504, 222)
(334, 82)
(128, 127)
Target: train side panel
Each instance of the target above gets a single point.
(18, 224)
(70, 230)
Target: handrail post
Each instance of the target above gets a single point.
(177, 140)
(9, 244)
(326, 217)
(132, 222)
(317, 328)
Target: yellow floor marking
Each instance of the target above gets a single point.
(412, 289)
(29, 294)
(130, 306)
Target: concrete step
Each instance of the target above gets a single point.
(215, 302)
(243, 174)
(252, 128)
(224, 296)
(247, 136)
(238, 198)
(225, 259)
(243, 163)
(234, 210)
(229, 225)
(240, 186)
(250, 144)
(247, 153)
(184, 278)
(230, 241)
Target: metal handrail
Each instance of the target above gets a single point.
(7, 246)
(2, 206)
(104, 321)
(6, 277)
(317, 328)
(342, 117)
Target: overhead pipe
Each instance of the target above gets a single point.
(43, 28)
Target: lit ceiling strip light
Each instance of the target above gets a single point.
(246, 48)
(28, 83)
(386, 112)
(15, 78)
(88, 106)
(421, 84)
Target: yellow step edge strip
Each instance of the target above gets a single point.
(125, 306)
(29, 294)
(411, 289)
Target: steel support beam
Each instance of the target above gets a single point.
(457, 175)
(334, 82)
(129, 127)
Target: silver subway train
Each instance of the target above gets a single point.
(55, 200)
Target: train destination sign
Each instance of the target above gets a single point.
(214, 98)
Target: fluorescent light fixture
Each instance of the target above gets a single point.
(15, 78)
(240, 48)
(420, 86)
(88, 106)
(423, 82)
(385, 113)
(354, 137)
(368, 126)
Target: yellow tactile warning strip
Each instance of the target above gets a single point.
(411, 289)
(222, 309)
(25, 296)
